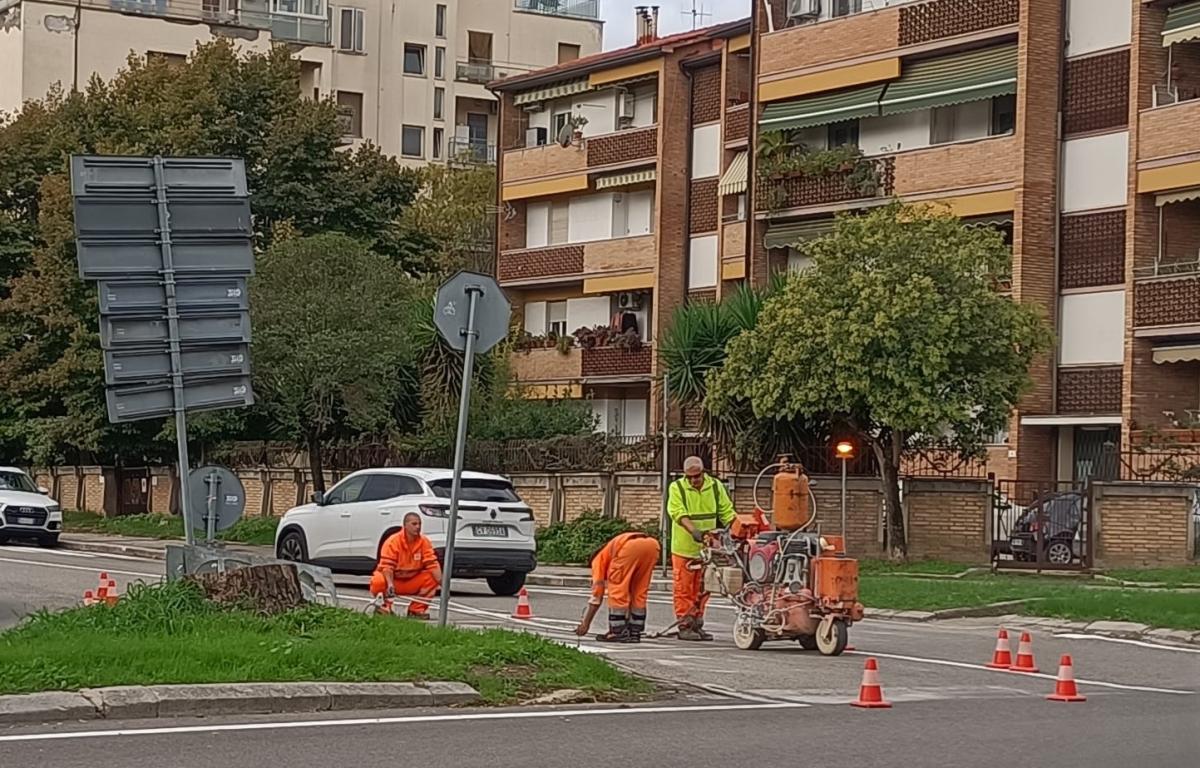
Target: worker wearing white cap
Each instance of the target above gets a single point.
(697, 503)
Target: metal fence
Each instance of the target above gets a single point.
(1041, 525)
(584, 9)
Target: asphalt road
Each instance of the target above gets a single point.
(1143, 700)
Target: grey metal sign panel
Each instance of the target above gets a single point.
(227, 494)
(128, 366)
(133, 217)
(188, 176)
(99, 259)
(191, 294)
(146, 330)
(492, 311)
(156, 401)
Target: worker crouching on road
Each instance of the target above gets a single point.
(408, 567)
(697, 504)
(623, 567)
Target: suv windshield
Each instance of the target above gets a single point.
(16, 481)
(477, 490)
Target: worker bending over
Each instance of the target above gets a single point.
(697, 503)
(622, 567)
(408, 567)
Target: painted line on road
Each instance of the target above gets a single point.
(404, 720)
(92, 569)
(77, 554)
(1042, 675)
(1125, 641)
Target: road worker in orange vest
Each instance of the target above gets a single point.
(408, 567)
(623, 568)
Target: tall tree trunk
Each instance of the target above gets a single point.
(315, 464)
(887, 452)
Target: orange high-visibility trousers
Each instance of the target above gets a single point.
(630, 574)
(688, 588)
(422, 585)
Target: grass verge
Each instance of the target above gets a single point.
(1185, 576)
(171, 634)
(1070, 600)
(248, 530)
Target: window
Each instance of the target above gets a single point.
(439, 103)
(347, 491)
(845, 7)
(439, 138)
(439, 63)
(567, 52)
(1004, 115)
(560, 222)
(556, 318)
(383, 487)
(311, 8)
(557, 122)
(414, 59)
(350, 111)
(440, 23)
(350, 35)
(412, 141)
(19, 481)
(843, 134)
(477, 490)
(479, 47)
(166, 58)
(741, 207)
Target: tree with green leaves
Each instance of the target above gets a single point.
(332, 338)
(896, 334)
(452, 221)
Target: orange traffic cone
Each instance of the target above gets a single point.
(523, 610)
(102, 590)
(89, 598)
(1025, 661)
(111, 597)
(1064, 686)
(1002, 656)
(870, 694)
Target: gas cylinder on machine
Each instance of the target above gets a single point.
(790, 498)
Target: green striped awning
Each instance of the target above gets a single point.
(948, 80)
(1183, 23)
(553, 91)
(823, 110)
(626, 179)
(790, 233)
(733, 181)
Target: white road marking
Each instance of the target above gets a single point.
(405, 720)
(57, 552)
(91, 569)
(1126, 641)
(1044, 676)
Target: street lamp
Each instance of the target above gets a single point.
(844, 451)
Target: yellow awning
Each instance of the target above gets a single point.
(626, 179)
(1177, 197)
(733, 181)
(1182, 354)
(554, 91)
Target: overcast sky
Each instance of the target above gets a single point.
(618, 16)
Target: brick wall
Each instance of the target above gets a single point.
(706, 94)
(956, 166)
(512, 235)
(1143, 524)
(1167, 301)
(1089, 390)
(704, 206)
(737, 79)
(1169, 130)
(809, 45)
(1096, 93)
(613, 361)
(622, 147)
(949, 520)
(1093, 250)
(549, 160)
(737, 124)
(923, 22)
(541, 262)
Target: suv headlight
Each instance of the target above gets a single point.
(54, 510)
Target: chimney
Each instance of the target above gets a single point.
(647, 23)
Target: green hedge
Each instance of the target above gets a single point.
(574, 542)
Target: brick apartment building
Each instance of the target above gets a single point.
(1069, 125)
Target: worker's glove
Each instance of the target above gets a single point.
(390, 593)
(698, 537)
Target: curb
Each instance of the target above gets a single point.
(113, 549)
(138, 702)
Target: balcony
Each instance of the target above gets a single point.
(303, 21)
(540, 162)
(1165, 301)
(536, 366)
(571, 9)
(480, 72)
(471, 152)
(1169, 131)
(615, 362)
(600, 257)
(626, 254)
(540, 263)
(868, 179)
(961, 165)
(622, 147)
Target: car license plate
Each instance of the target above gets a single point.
(24, 521)
(489, 530)
(1017, 542)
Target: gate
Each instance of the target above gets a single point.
(1041, 525)
(133, 491)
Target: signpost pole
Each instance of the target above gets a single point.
(460, 446)
(214, 482)
(168, 277)
(665, 521)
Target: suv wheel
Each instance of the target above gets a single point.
(293, 547)
(49, 541)
(507, 584)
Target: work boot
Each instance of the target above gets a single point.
(620, 636)
(688, 631)
(706, 636)
(419, 616)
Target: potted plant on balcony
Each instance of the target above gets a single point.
(577, 122)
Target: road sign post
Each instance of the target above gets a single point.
(486, 323)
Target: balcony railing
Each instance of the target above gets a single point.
(576, 9)
(274, 16)
(472, 152)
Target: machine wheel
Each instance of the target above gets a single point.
(832, 641)
(807, 642)
(746, 636)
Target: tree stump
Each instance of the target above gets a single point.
(265, 589)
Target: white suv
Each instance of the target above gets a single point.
(344, 529)
(27, 511)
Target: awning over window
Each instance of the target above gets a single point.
(783, 235)
(1181, 196)
(554, 91)
(948, 80)
(823, 110)
(626, 179)
(1186, 353)
(1183, 24)
(733, 181)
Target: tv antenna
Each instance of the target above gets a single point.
(698, 14)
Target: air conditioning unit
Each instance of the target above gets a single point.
(629, 300)
(803, 10)
(626, 106)
(535, 137)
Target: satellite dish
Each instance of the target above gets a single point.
(564, 134)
